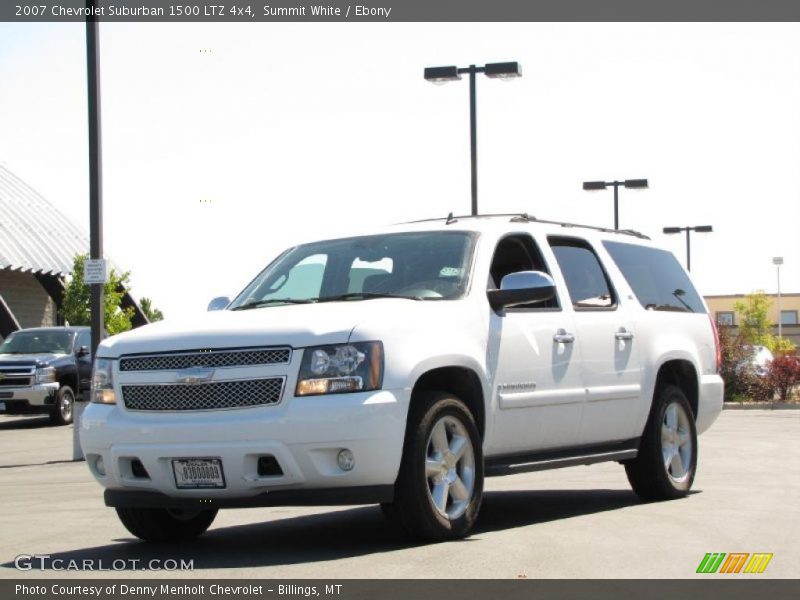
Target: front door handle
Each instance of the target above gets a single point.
(623, 335)
(562, 337)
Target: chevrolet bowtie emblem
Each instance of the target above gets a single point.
(194, 375)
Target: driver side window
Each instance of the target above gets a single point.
(84, 339)
(518, 253)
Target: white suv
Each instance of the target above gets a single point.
(401, 368)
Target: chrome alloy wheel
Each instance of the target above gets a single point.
(65, 404)
(450, 467)
(676, 442)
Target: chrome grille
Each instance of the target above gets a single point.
(16, 376)
(16, 381)
(222, 358)
(204, 396)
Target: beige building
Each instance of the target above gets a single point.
(722, 308)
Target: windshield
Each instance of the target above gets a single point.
(38, 342)
(417, 266)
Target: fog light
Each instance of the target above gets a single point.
(100, 467)
(346, 460)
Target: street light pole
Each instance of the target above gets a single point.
(473, 137)
(688, 249)
(590, 186)
(95, 175)
(688, 230)
(778, 261)
(492, 70)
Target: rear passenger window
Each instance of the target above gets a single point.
(586, 280)
(656, 277)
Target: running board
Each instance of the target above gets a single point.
(557, 459)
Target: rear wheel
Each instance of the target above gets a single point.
(64, 406)
(440, 485)
(667, 460)
(166, 524)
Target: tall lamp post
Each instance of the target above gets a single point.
(688, 230)
(778, 261)
(440, 75)
(591, 186)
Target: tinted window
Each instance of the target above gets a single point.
(84, 339)
(516, 253)
(428, 265)
(656, 277)
(586, 280)
(37, 341)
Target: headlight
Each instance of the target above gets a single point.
(341, 368)
(103, 382)
(45, 375)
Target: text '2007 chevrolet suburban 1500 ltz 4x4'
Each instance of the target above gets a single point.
(404, 366)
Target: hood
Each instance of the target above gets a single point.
(26, 360)
(296, 325)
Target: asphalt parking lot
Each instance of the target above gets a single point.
(580, 522)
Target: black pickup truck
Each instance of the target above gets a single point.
(43, 369)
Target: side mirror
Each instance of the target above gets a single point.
(219, 303)
(82, 351)
(523, 287)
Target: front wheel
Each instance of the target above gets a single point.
(667, 460)
(64, 406)
(440, 485)
(165, 524)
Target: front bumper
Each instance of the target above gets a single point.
(36, 399)
(304, 435)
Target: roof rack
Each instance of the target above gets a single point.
(526, 218)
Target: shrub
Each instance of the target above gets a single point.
(735, 369)
(784, 375)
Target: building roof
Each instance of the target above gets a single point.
(35, 236)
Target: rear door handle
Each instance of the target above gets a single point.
(562, 337)
(623, 334)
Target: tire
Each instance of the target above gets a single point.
(667, 460)
(440, 484)
(65, 406)
(165, 524)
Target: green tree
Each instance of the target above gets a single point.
(755, 327)
(77, 299)
(150, 311)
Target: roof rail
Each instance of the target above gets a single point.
(526, 218)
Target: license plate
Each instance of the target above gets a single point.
(198, 473)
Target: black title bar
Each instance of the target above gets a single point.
(400, 10)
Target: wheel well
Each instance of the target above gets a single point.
(69, 380)
(459, 381)
(682, 374)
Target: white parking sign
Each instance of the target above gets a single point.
(94, 271)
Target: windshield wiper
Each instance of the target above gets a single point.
(364, 296)
(259, 303)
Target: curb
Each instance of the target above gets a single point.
(761, 406)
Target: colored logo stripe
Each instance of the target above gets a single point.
(735, 562)
(713, 562)
(758, 563)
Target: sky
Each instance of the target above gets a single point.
(223, 144)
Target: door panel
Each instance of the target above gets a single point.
(537, 383)
(611, 373)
